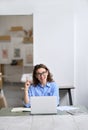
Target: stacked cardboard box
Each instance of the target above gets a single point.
(5, 38)
(17, 28)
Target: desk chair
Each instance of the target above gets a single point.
(3, 102)
(68, 89)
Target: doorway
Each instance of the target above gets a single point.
(16, 46)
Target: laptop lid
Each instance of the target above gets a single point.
(43, 105)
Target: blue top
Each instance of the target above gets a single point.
(50, 89)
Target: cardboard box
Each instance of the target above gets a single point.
(5, 38)
(20, 62)
(17, 28)
(28, 40)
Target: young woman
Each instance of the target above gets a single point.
(42, 85)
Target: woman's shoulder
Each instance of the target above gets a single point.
(52, 83)
(32, 86)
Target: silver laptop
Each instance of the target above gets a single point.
(43, 105)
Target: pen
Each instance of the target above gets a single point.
(70, 113)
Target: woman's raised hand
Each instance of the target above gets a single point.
(27, 84)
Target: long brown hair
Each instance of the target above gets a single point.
(38, 66)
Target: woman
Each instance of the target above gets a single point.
(42, 85)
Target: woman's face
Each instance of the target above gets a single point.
(41, 75)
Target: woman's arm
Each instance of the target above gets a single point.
(56, 92)
(26, 94)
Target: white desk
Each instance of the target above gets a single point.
(43, 122)
(47, 122)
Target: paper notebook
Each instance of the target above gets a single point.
(20, 109)
(26, 77)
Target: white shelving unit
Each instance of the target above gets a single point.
(18, 50)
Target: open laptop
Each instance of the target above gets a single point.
(43, 105)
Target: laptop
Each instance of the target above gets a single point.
(43, 105)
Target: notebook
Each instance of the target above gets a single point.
(43, 105)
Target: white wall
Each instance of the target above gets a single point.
(54, 41)
(56, 30)
(81, 53)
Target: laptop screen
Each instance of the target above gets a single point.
(43, 105)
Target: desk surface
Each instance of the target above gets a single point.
(61, 110)
(43, 122)
(66, 87)
(7, 112)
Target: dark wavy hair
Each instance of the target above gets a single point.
(49, 76)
